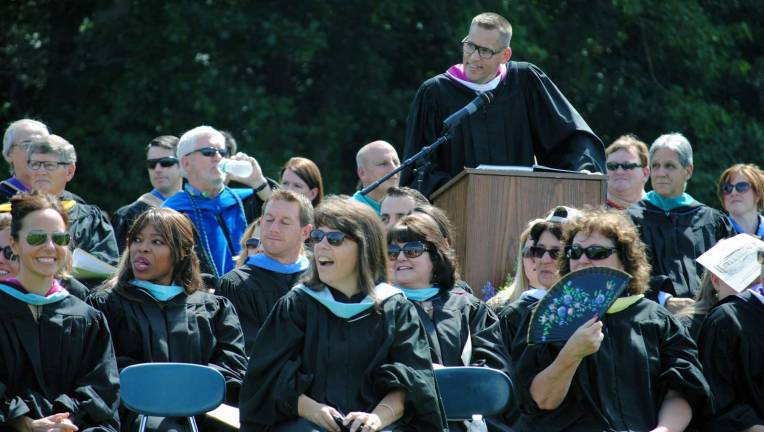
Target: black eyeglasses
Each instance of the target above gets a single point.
(410, 250)
(38, 237)
(335, 238)
(253, 243)
(627, 166)
(484, 52)
(210, 151)
(594, 252)
(740, 187)
(7, 252)
(538, 252)
(46, 165)
(164, 162)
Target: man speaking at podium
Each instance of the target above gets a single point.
(528, 116)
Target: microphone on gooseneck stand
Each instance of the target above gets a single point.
(481, 100)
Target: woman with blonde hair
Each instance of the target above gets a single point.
(525, 273)
(250, 243)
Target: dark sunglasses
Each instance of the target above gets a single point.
(210, 151)
(526, 252)
(164, 162)
(538, 252)
(38, 237)
(410, 250)
(253, 243)
(612, 166)
(335, 238)
(594, 252)
(7, 252)
(740, 187)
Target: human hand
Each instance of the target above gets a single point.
(363, 422)
(675, 304)
(54, 423)
(256, 178)
(586, 340)
(323, 416)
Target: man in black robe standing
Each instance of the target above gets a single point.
(256, 286)
(529, 120)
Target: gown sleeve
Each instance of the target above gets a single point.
(228, 356)
(487, 346)
(94, 398)
(274, 379)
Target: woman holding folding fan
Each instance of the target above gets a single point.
(157, 312)
(57, 365)
(344, 348)
(635, 368)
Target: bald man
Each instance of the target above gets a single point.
(374, 160)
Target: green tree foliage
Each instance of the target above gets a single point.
(320, 79)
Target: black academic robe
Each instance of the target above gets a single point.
(528, 116)
(92, 232)
(692, 323)
(123, 219)
(645, 352)
(674, 240)
(459, 317)
(732, 353)
(75, 287)
(303, 348)
(63, 362)
(200, 328)
(254, 291)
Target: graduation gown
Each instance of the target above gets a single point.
(63, 362)
(123, 218)
(732, 353)
(200, 328)
(303, 348)
(221, 223)
(674, 240)
(646, 352)
(254, 291)
(528, 116)
(92, 232)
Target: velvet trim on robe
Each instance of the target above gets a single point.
(528, 116)
(254, 291)
(302, 348)
(674, 239)
(645, 352)
(732, 353)
(63, 362)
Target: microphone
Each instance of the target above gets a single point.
(483, 99)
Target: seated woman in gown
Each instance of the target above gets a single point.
(634, 368)
(157, 312)
(344, 342)
(57, 365)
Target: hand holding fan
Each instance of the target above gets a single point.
(573, 300)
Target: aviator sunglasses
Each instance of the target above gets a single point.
(164, 162)
(38, 237)
(740, 187)
(410, 250)
(612, 166)
(335, 238)
(593, 252)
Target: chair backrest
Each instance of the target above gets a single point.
(472, 390)
(171, 389)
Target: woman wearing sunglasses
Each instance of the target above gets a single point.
(250, 243)
(343, 344)
(635, 368)
(526, 275)
(57, 365)
(741, 192)
(157, 312)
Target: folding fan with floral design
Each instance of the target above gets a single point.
(573, 300)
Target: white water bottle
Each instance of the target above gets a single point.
(477, 424)
(238, 168)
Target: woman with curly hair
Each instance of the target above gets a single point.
(634, 368)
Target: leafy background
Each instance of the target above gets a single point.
(320, 79)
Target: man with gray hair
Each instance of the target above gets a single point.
(529, 119)
(674, 226)
(52, 162)
(16, 140)
(219, 213)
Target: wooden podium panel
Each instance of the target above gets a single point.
(489, 208)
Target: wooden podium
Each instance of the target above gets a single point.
(489, 208)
